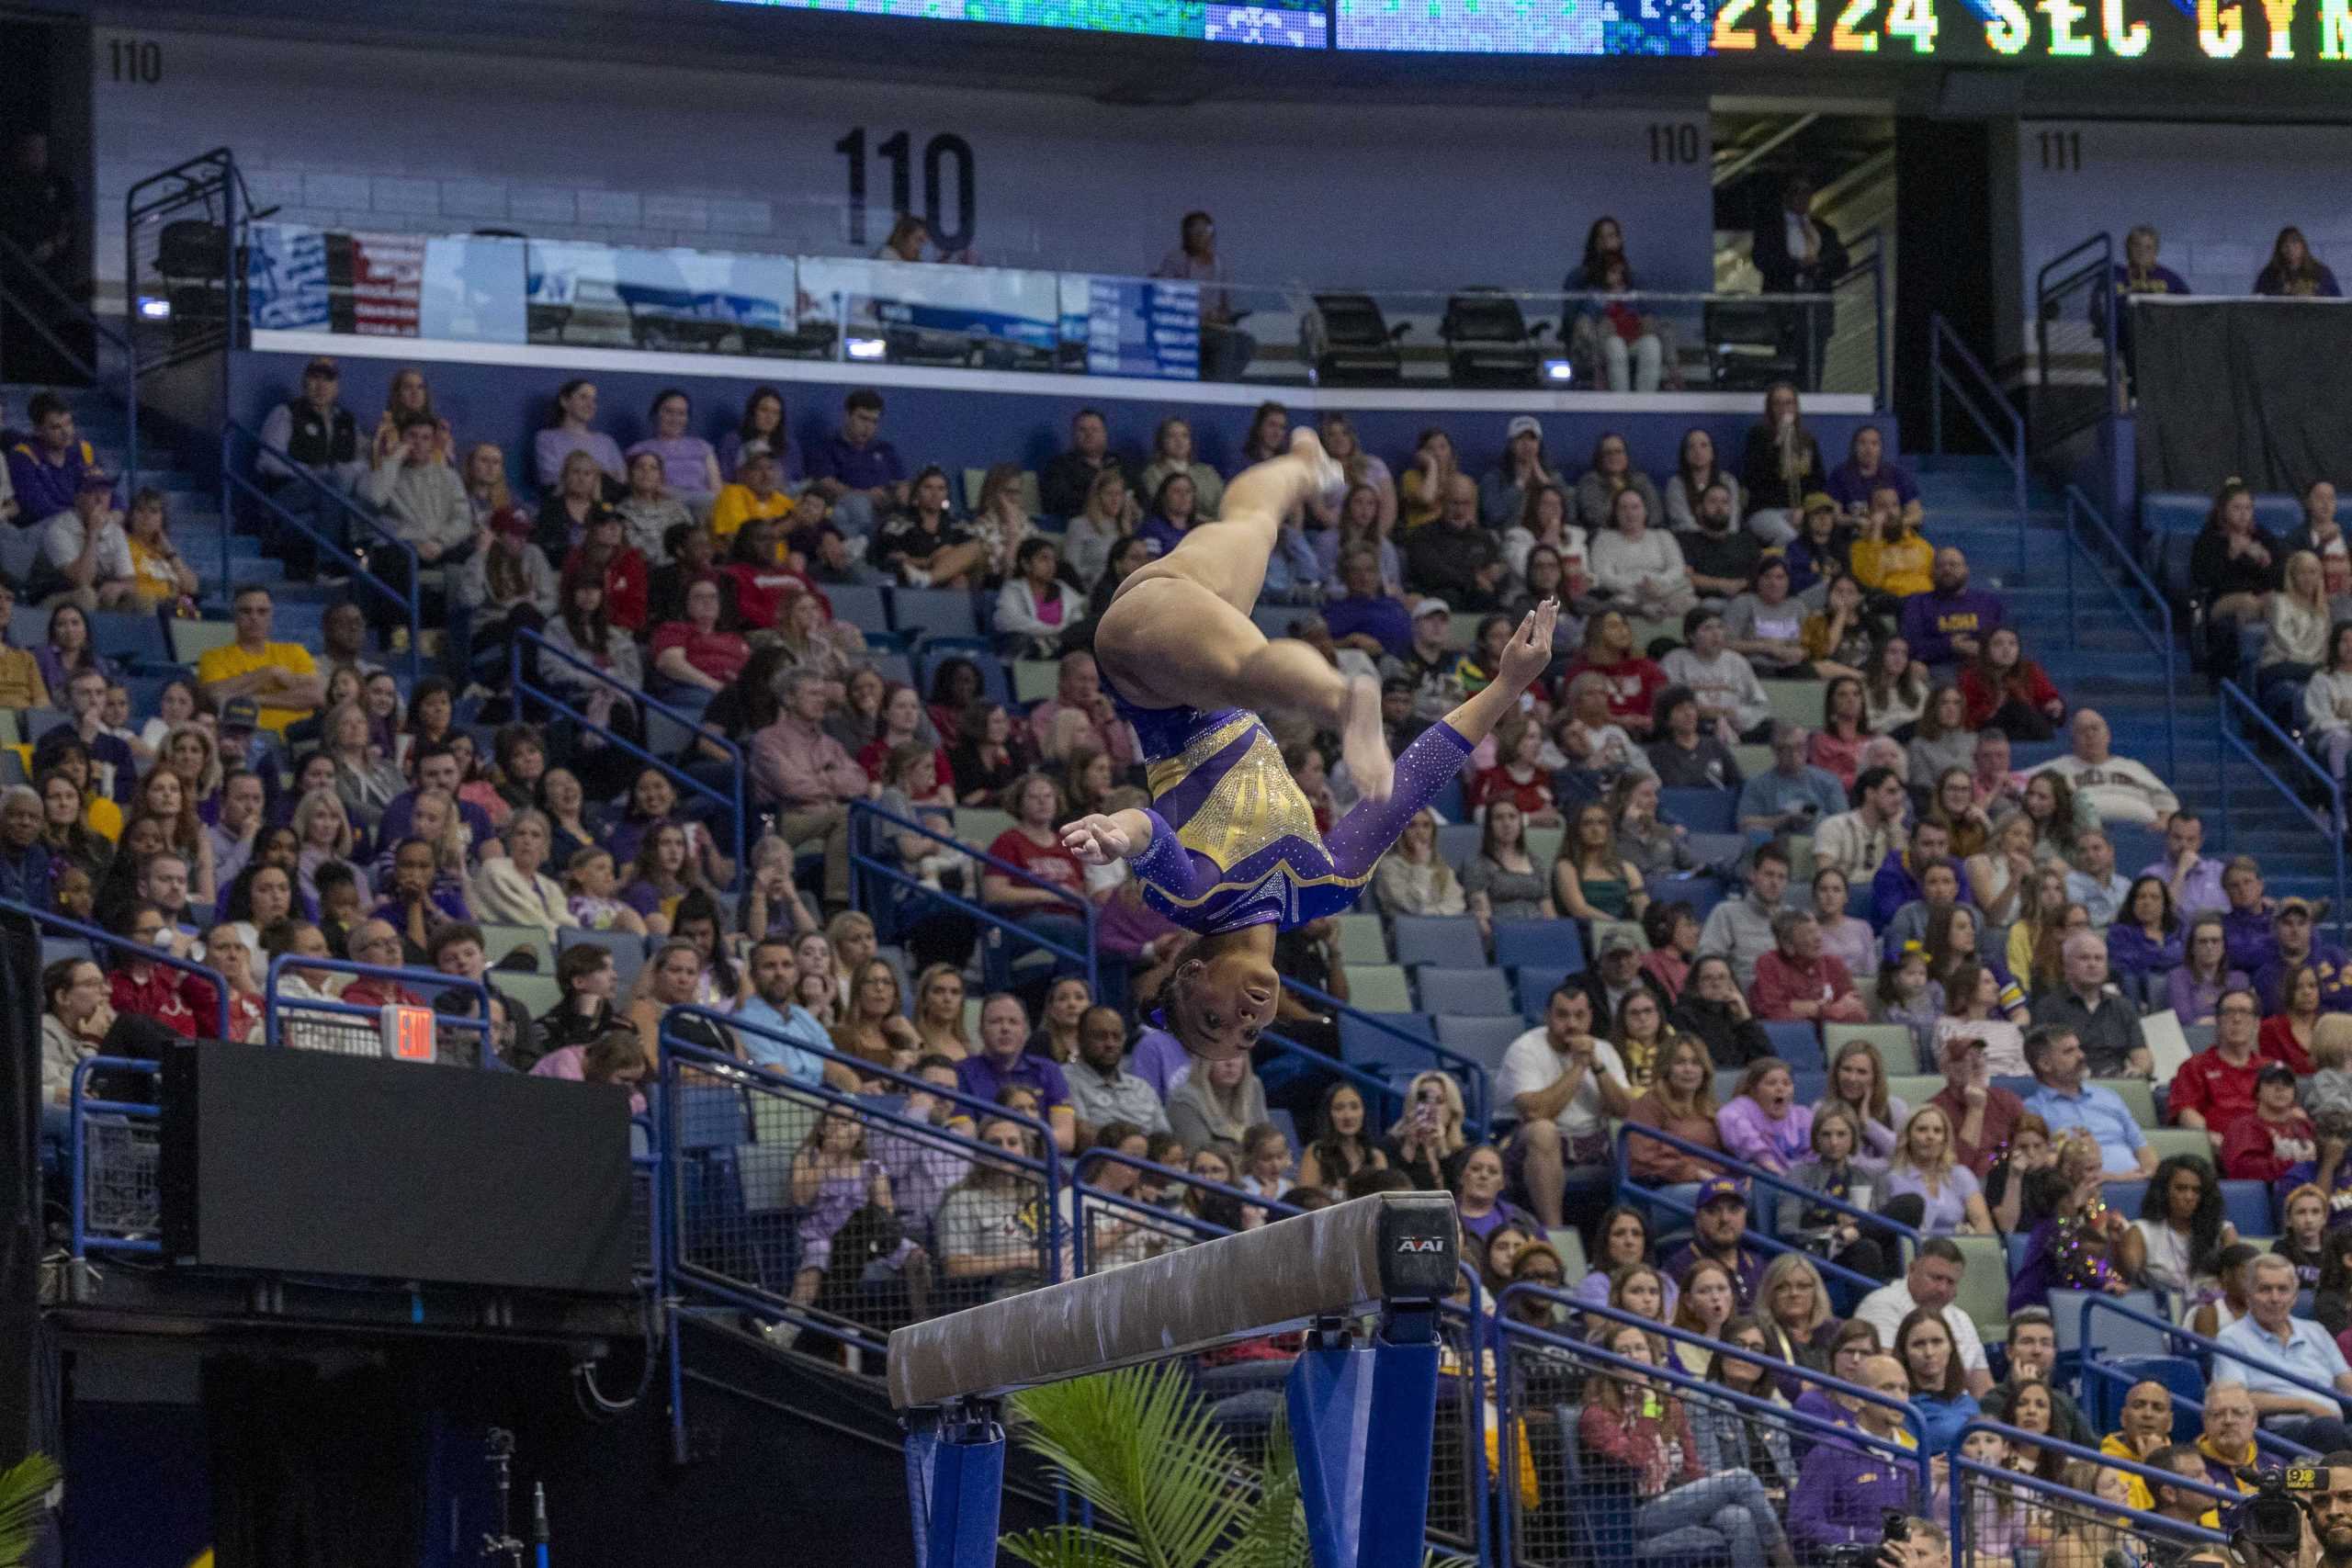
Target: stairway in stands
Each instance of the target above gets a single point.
(2107, 664)
(193, 507)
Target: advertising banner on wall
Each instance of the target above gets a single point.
(580, 292)
(990, 318)
(1139, 326)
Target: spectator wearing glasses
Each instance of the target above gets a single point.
(279, 676)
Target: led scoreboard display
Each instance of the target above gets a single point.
(2244, 34)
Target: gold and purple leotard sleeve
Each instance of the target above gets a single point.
(1233, 842)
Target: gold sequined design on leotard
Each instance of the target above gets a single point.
(1253, 806)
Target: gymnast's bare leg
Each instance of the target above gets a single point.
(1177, 633)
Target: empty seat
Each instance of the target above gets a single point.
(861, 607)
(1550, 944)
(1457, 842)
(1379, 988)
(1796, 1042)
(1482, 1038)
(934, 612)
(1477, 992)
(2247, 1205)
(1439, 938)
(1536, 984)
(2138, 1095)
(498, 941)
(191, 640)
(1363, 940)
(1364, 1042)
(129, 636)
(1700, 811)
(1033, 680)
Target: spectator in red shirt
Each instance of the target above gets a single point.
(2286, 1034)
(808, 775)
(140, 987)
(604, 550)
(1039, 897)
(699, 658)
(1982, 1113)
(2002, 689)
(765, 580)
(2215, 1088)
(1633, 680)
(905, 722)
(1516, 775)
(1797, 980)
(2274, 1139)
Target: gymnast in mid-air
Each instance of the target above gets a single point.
(1228, 846)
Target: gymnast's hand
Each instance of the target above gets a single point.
(1529, 653)
(1099, 839)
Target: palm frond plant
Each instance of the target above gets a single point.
(24, 1507)
(1168, 1488)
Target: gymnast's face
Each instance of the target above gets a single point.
(1218, 1004)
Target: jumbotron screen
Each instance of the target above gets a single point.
(1280, 24)
(2243, 36)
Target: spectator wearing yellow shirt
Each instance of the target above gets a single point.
(1891, 556)
(159, 573)
(20, 683)
(1421, 489)
(280, 676)
(754, 493)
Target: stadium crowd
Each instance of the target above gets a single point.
(1758, 849)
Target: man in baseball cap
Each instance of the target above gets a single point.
(1721, 1223)
(1983, 1114)
(1502, 493)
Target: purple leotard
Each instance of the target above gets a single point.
(1233, 840)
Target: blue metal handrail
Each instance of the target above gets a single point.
(863, 814)
(1371, 1084)
(2103, 1374)
(432, 978)
(1978, 395)
(2084, 517)
(2026, 1481)
(1468, 1070)
(233, 482)
(736, 800)
(1508, 1329)
(79, 1106)
(1081, 1194)
(2201, 1345)
(2235, 703)
(104, 940)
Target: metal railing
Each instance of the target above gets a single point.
(102, 942)
(120, 385)
(862, 817)
(734, 800)
(191, 213)
(2083, 518)
(236, 482)
(1476, 1092)
(1962, 1519)
(129, 1217)
(276, 1006)
(1976, 394)
(2075, 320)
(1628, 1192)
(2214, 1349)
(2234, 707)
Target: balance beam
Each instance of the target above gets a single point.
(1336, 1262)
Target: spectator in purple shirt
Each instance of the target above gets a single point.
(857, 472)
(573, 430)
(1365, 618)
(689, 466)
(2194, 877)
(1004, 1060)
(1866, 470)
(1950, 622)
(46, 468)
(437, 768)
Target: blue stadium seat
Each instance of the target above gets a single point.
(861, 607)
(2125, 1198)
(129, 635)
(1480, 992)
(1536, 984)
(1548, 944)
(1700, 811)
(1482, 1038)
(1457, 842)
(994, 685)
(2105, 1391)
(934, 612)
(2246, 1204)
(1452, 802)
(1438, 938)
(1796, 1042)
(1364, 1044)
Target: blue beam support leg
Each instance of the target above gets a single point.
(1361, 1418)
(956, 1486)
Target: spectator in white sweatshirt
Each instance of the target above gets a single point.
(2119, 789)
(2327, 703)
(1720, 676)
(1641, 566)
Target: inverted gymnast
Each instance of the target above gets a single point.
(1229, 847)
